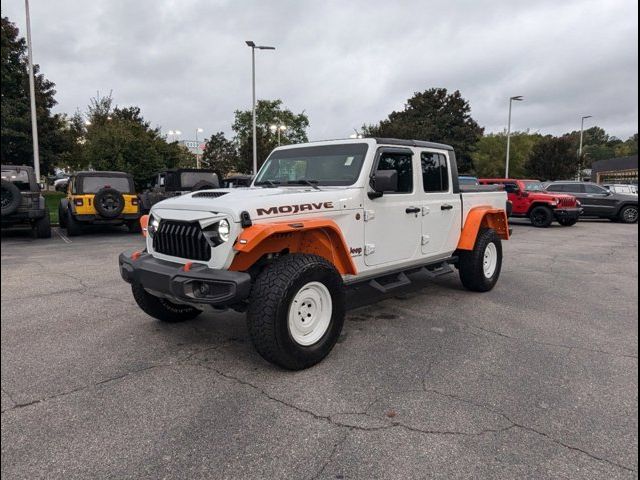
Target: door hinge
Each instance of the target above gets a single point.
(369, 215)
(425, 239)
(369, 248)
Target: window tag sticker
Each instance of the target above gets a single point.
(348, 162)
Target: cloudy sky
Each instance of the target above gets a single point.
(185, 63)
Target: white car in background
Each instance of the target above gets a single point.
(622, 188)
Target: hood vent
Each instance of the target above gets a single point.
(209, 194)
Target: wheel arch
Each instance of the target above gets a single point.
(540, 203)
(625, 204)
(483, 217)
(320, 237)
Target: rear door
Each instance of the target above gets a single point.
(601, 201)
(441, 208)
(392, 222)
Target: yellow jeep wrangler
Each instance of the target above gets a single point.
(99, 198)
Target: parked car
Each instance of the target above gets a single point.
(622, 188)
(60, 184)
(319, 216)
(235, 181)
(22, 201)
(468, 180)
(599, 202)
(177, 181)
(99, 198)
(530, 201)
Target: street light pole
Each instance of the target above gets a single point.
(253, 98)
(580, 148)
(517, 98)
(198, 130)
(32, 95)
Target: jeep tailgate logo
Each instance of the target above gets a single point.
(292, 209)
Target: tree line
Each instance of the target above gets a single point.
(109, 137)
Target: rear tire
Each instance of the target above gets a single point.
(296, 311)
(62, 216)
(42, 227)
(480, 268)
(541, 216)
(134, 226)
(162, 309)
(567, 222)
(629, 214)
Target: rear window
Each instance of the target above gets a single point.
(189, 179)
(93, 184)
(19, 178)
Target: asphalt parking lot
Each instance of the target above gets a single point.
(536, 379)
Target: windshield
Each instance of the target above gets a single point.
(533, 187)
(19, 178)
(189, 179)
(93, 184)
(323, 165)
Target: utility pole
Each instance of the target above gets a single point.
(517, 98)
(32, 95)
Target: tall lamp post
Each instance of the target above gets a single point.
(517, 98)
(580, 148)
(253, 98)
(198, 130)
(277, 128)
(32, 95)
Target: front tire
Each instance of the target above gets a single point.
(73, 226)
(541, 216)
(134, 226)
(162, 309)
(296, 311)
(629, 214)
(567, 222)
(480, 268)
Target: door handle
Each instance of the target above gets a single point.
(413, 210)
(446, 206)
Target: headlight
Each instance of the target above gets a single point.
(224, 230)
(152, 227)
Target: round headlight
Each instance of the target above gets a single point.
(224, 229)
(152, 226)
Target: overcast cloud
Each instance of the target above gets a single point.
(186, 65)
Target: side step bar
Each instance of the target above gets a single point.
(392, 281)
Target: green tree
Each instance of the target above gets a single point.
(491, 151)
(16, 145)
(221, 155)
(120, 139)
(268, 112)
(552, 158)
(627, 148)
(437, 116)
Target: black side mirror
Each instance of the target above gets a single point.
(384, 181)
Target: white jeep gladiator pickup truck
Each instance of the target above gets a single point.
(318, 217)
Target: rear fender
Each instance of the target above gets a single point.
(483, 217)
(313, 236)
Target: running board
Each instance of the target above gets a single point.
(392, 281)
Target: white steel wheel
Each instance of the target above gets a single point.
(310, 314)
(490, 260)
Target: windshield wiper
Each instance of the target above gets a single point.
(311, 183)
(268, 183)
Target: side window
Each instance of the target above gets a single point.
(511, 187)
(401, 163)
(573, 188)
(161, 180)
(435, 172)
(556, 188)
(594, 189)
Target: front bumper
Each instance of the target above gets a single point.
(568, 213)
(225, 287)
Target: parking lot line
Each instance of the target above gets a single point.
(64, 238)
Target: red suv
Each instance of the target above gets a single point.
(530, 200)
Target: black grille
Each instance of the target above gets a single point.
(209, 194)
(181, 239)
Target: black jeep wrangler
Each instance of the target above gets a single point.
(22, 202)
(177, 181)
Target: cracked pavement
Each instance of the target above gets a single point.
(536, 379)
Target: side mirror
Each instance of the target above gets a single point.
(384, 181)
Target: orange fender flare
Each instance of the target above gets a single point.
(144, 224)
(312, 236)
(483, 217)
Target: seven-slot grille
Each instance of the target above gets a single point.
(181, 239)
(567, 202)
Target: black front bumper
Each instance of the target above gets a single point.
(568, 213)
(225, 287)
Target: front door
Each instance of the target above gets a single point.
(441, 208)
(393, 221)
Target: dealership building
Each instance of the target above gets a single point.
(616, 170)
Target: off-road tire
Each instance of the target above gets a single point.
(628, 214)
(42, 227)
(115, 196)
(11, 198)
(271, 297)
(162, 309)
(134, 226)
(471, 262)
(541, 216)
(567, 222)
(73, 226)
